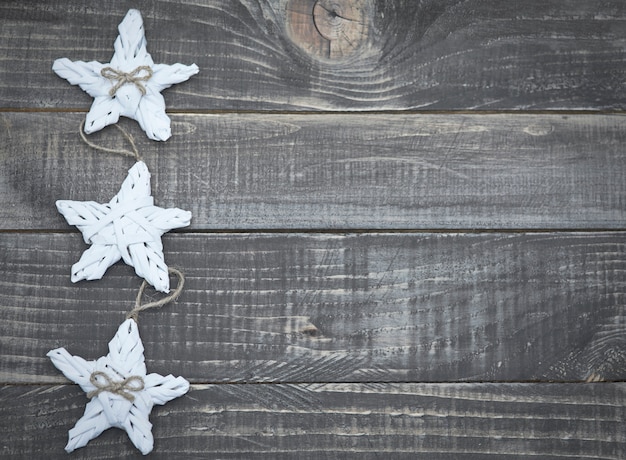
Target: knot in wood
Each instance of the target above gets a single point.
(331, 29)
(122, 388)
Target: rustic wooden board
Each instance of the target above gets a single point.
(334, 308)
(365, 421)
(358, 54)
(335, 344)
(333, 171)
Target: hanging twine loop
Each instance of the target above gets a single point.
(122, 388)
(134, 313)
(133, 383)
(134, 78)
(134, 153)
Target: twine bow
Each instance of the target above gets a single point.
(132, 77)
(122, 388)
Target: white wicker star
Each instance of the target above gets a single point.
(128, 227)
(130, 85)
(122, 394)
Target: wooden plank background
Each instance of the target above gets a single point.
(311, 421)
(408, 233)
(336, 308)
(434, 54)
(320, 172)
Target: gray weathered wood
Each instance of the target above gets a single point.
(333, 171)
(271, 54)
(359, 421)
(334, 308)
(298, 343)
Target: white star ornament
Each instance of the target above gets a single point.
(130, 85)
(129, 227)
(122, 393)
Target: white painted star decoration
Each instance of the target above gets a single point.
(122, 393)
(130, 85)
(129, 227)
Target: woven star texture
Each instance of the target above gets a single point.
(111, 404)
(130, 85)
(128, 227)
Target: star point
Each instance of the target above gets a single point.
(130, 85)
(117, 400)
(129, 227)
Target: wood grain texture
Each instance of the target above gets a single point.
(431, 54)
(364, 421)
(333, 171)
(334, 344)
(333, 308)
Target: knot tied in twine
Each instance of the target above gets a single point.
(133, 77)
(122, 388)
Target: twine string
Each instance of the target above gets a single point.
(133, 77)
(134, 313)
(133, 383)
(134, 153)
(122, 388)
